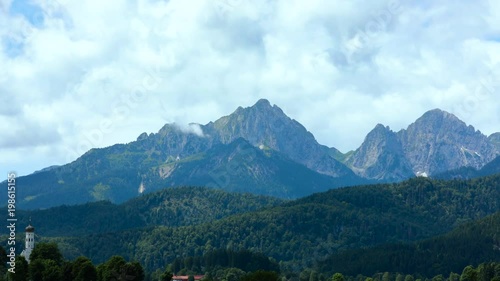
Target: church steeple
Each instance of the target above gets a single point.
(29, 242)
(30, 228)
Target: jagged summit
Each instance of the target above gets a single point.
(262, 106)
(262, 103)
(436, 142)
(263, 124)
(439, 141)
(380, 156)
(438, 117)
(380, 128)
(437, 111)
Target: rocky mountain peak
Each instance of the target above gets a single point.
(167, 128)
(439, 141)
(261, 114)
(380, 129)
(437, 119)
(262, 103)
(266, 125)
(264, 107)
(436, 142)
(142, 136)
(380, 156)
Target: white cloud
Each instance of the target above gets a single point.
(87, 74)
(191, 128)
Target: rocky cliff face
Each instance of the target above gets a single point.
(262, 125)
(380, 157)
(438, 141)
(495, 140)
(241, 167)
(267, 126)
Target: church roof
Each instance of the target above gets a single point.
(30, 228)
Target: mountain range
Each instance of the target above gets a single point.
(436, 142)
(260, 150)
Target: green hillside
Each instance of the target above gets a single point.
(117, 173)
(301, 232)
(472, 243)
(168, 207)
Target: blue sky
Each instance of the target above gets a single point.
(31, 12)
(84, 74)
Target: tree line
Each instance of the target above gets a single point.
(489, 271)
(47, 264)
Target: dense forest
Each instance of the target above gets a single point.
(301, 232)
(472, 243)
(48, 264)
(168, 207)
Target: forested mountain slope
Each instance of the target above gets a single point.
(471, 243)
(313, 228)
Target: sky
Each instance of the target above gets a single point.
(81, 74)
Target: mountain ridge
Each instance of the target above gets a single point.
(239, 166)
(380, 156)
(436, 142)
(263, 124)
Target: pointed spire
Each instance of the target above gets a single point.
(30, 228)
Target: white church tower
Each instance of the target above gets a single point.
(30, 242)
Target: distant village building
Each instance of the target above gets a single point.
(29, 242)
